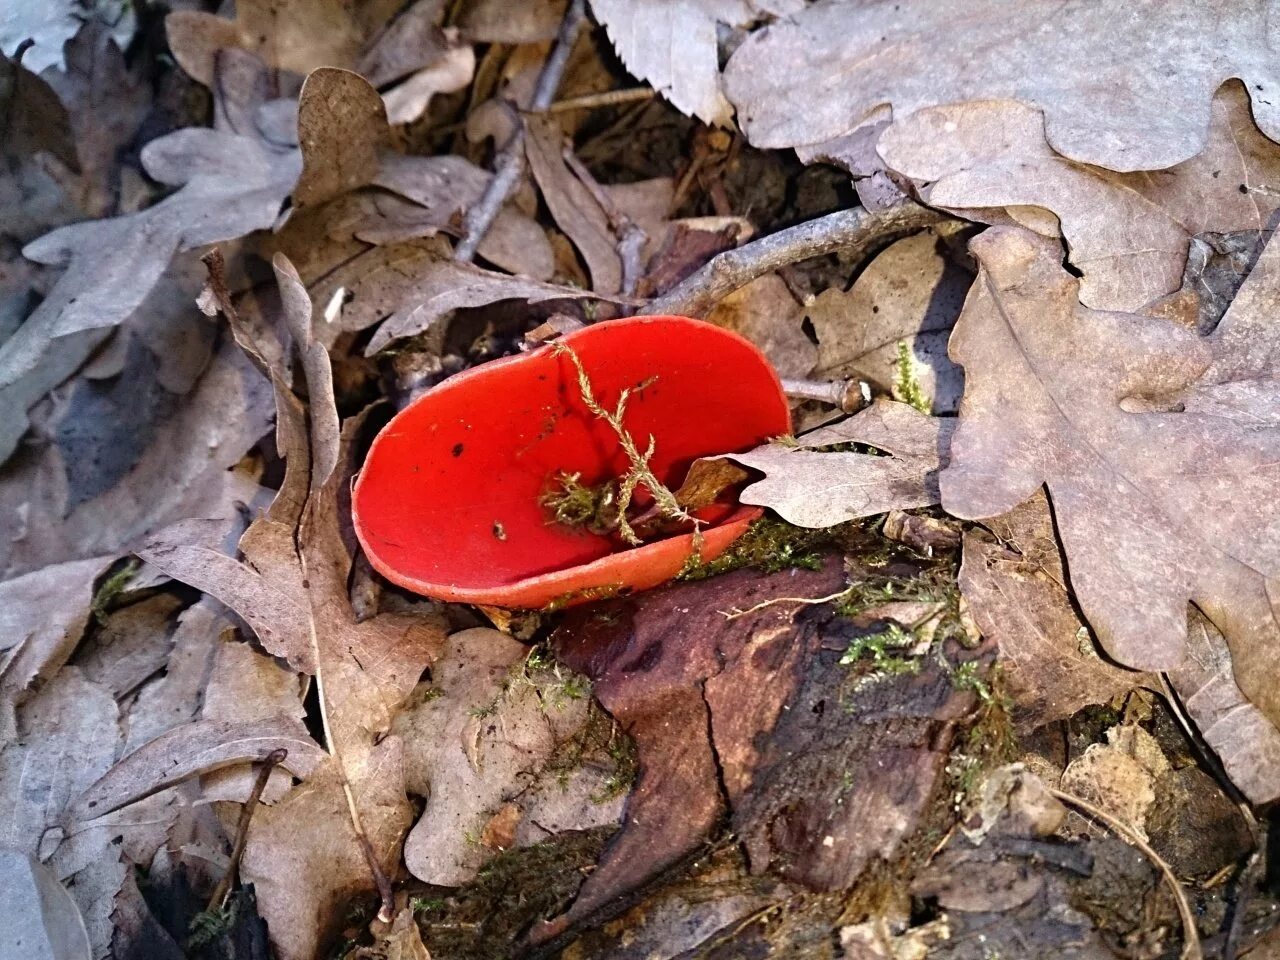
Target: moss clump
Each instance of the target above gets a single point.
(768, 545)
(112, 587)
(906, 387)
(573, 503)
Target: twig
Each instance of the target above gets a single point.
(849, 395)
(610, 98)
(631, 238)
(269, 763)
(857, 231)
(1191, 945)
(510, 163)
(735, 613)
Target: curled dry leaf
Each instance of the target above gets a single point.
(200, 746)
(813, 488)
(297, 558)
(1153, 508)
(572, 203)
(334, 162)
(1126, 88)
(1127, 232)
(1245, 740)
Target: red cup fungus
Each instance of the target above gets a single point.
(451, 500)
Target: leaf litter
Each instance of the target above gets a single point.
(1046, 538)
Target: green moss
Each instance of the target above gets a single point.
(111, 588)
(571, 503)
(768, 545)
(906, 387)
(208, 925)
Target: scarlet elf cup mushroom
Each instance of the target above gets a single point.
(451, 502)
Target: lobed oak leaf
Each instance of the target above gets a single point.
(811, 487)
(1128, 233)
(1154, 507)
(1122, 85)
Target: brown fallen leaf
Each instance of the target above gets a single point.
(477, 743)
(577, 212)
(813, 488)
(1017, 594)
(410, 286)
(105, 104)
(673, 46)
(200, 746)
(334, 100)
(654, 661)
(297, 557)
(765, 312)
(1126, 90)
(1245, 740)
(911, 293)
(296, 35)
(1153, 508)
(1119, 776)
(42, 617)
(1127, 233)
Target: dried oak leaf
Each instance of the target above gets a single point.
(1126, 87)
(478, 742)
(814, 488)
(672, 45)
(230, 186)
(1154, 508)
(106, 105)
(1127, 232)
(296, 35)
(1245, 740)
(765, 312)
(292, 588)
(1017, 594)
(911, 293)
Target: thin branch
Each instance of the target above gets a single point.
(1191, 949)
(735, 613)
(510, 163)
(610, 98)
(269, 763)
(849, 395)
(856, 231)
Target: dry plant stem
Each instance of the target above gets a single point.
(803, 601)
(269, 763)
(386, 910)
(631, 238)
(855, 231)
(510, 164)
(610, 98)
(1191, 948)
